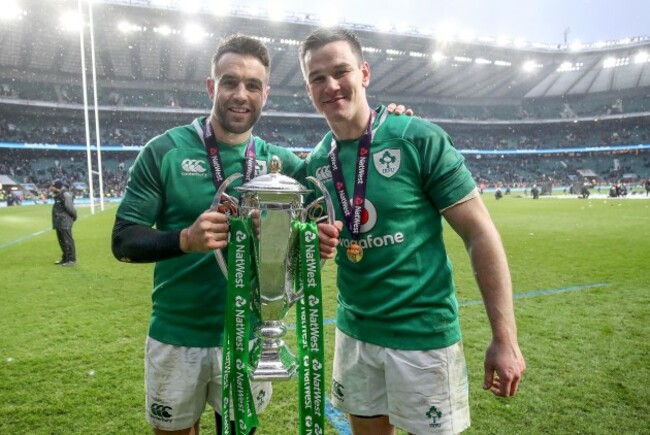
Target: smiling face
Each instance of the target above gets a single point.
(336, 81)
(238, 90)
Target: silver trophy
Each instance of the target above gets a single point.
(273, 201)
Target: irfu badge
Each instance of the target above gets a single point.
(387, 161)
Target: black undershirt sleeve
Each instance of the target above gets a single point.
(135, 243)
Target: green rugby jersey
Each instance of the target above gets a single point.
(401, 294)
(169, 186)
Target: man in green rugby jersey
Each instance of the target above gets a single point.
(165, 217)
(398, 358)
(171, 186)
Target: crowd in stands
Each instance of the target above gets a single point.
(531, 108)
(306, 133)
(520, 170)
(570, 129)
(45, 166)
(25, 166)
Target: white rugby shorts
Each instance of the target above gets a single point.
(180, 380)
(422, 392)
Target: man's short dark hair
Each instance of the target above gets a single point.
(325, 35)
(245, 46)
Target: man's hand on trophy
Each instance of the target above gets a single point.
(208, 232)
(399, 109)
(255, 219)
(329, 238)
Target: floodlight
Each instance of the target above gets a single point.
(531, 65)
(642, 57)
(164, 30)
(124, 27)
(71, 21)
(576, 45)
(276, 14)
(194, 34)
(438, 56)
(368, 49)
(11, 11)
(610, 62)
(520, 43)
(276, 11)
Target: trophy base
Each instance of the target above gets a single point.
(276, 364)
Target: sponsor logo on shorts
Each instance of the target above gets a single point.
(260, 397)
(434, 414)
(160, 412)
(193, 167)
(337, 390)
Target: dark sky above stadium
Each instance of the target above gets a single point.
(532, 20)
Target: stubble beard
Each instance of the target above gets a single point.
(236, 128)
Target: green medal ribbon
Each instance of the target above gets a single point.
(309, 331)
(236, 367)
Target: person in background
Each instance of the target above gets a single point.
(399, 358)
(64, 215)
(535, 191)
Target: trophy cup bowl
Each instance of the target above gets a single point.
(274, 200)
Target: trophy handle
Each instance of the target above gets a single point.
(233, 204)
(310, 212)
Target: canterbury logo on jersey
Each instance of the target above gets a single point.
(194, 167)
(324, 174)
(160, 412)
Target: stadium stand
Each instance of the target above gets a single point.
(521, 115)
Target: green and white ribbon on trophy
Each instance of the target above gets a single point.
(309, 331)
(236, 378)
(238, 362)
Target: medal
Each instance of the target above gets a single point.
(355, 252)
(353, 209)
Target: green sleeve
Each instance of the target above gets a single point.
(144, 197)
(445, 178)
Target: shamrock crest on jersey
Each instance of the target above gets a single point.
(387, 161)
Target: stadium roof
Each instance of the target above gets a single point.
(149, 48)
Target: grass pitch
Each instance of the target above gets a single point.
(71, 347)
